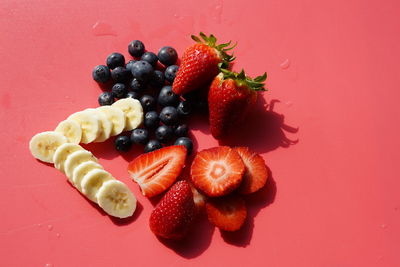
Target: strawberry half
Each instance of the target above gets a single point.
(230, 97)
(174, 214)
(157, 170)
(227, 213)
(217, 171)
(199, 63)
(256, 172)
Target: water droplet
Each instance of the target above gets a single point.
(396, 208)
(383, 226)
(176, 16)
(103, 29)
(58, 235)
(289, 103)
(285, 64)
(49, 265)
(39, 225)
(50, 227)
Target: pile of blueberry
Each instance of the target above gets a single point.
(148, 78)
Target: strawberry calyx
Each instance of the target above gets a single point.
(211, 41)
(256, 84)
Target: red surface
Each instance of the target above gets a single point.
(334, 198)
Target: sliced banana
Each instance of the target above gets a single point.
(76, 158)
(62, 153)
(89, 123)
(71, 130)
(81, 170)
(92, 182)
(133, 112)
(116, 116)
(105, 125)
(43, 145)
(115, 198)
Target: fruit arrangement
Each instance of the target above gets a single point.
(150, 97)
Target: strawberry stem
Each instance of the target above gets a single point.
(256, 84)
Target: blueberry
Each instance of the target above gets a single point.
(169, 115)
(101, 74)
(185, 141)
(106, 98)
(157, 81)
(148, 102)
(130, 64)
(119, 90)
(133, 94)
(120, 75)
(151, 120)
(181, 130)
(170, 73)
(167, 97)
(142, 70)
(150, 57)
(115, 60)
(152, 145)
(136, 48)
(140, 136)
(184, 108)
(137, 86)
(167, 55)
(123, 143)
(164, 134)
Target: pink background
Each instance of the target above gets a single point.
(334, 66)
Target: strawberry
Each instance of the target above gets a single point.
(256, 172)
(230, 97)
(199, 200)
(157, 170)
(217, 171)
(227, 213)
(199, 63)
(175, 212)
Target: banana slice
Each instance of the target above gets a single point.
(115, 198)
(81, 170)
(43, 145)
(76, 158)
(133, 112)
(89, 123)
(62, 153)
(105, 125)
(116, 116)
(70, 129)
(92, 182)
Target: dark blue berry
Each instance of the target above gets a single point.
(169, 115)
(157, 81)
(152, 145)
(136, 48)
(184, 108)
(120, 75)
(106, 98)
(185, 141)
(101, 74)
(167, 97)
(133, 94)
(123, 143)
(170, 73)
(181, 130)
(150, 57)
(151, 120)
(148, 102)
(142, 70)
(164, 133)
(140, 136)
(137, 86)
(167, 55)
(119, 90)
(115, 60)
(130, 64)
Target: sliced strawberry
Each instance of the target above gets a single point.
(227, 213)
(217, 171)
(157, 170)
(256, 172)
(199, 199)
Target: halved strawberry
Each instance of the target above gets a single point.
(217, 171)
(227, 213)
(156, 171)
(256, 172)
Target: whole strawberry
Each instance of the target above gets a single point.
(199, 63)
(230, 98)
(174, 214)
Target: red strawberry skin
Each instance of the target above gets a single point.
(229, 103)
(199, 65)
(174, 214)
(156, 171)
(256, 172)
